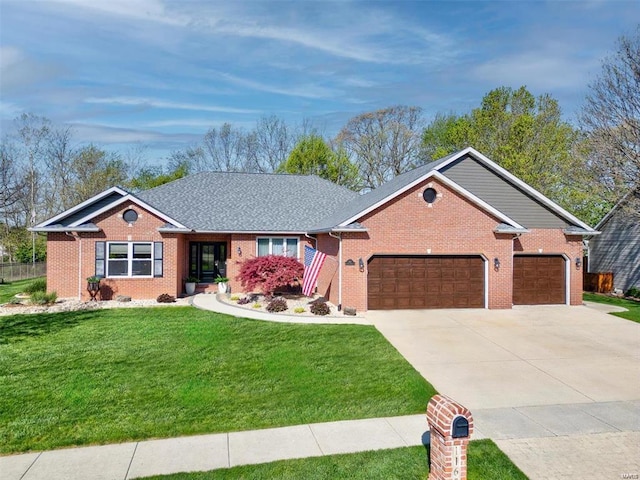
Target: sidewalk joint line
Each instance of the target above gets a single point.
(315, 439)
(135, 449)
(31, 465)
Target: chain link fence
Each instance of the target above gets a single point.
(10, 272)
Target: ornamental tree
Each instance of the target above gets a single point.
(269, 273)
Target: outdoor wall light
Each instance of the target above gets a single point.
(361, 264)
(578, 263)
(239, 250)
(496, 263)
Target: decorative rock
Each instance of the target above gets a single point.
(123, 298)
(349, 311)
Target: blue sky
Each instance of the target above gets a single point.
(159, 73)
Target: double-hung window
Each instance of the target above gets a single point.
(129, 259)
(287, 246)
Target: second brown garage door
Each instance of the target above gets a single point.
(538, 280)
(402, 282)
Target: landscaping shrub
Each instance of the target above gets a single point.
(165, 298)
(244, 301)
(633, 292)
(257, 305)
(38, 285)
(299, 310)
(234, 298)
(43, 298)
(278, 304)
(269, 273)
(320, 308)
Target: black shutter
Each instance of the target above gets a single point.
(100, 257)
(157, 259)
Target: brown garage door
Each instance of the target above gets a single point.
(401, 282)
(538, 280)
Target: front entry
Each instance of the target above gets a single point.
(207, 260)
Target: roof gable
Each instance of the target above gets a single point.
(79, 218)
(555, 216)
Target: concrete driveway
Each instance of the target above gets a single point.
(526, 356)
(556, 387)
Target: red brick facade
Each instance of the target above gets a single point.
(452, 225)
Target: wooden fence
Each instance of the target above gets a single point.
(598, 282)
(10, 272)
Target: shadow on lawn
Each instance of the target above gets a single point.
(20, 327)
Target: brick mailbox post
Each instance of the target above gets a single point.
(451, 426)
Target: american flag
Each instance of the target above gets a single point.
(313, 260)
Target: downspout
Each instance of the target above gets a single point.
(339, 237)
(315, 245)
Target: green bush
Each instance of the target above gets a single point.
(299, 309)
(43, 298)
(633, 292)
(38, 285)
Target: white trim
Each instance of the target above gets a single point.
(122, 200)
(606, 218)
(284, 248)
(567, 279)
(448, 182)
(129, 259)
(486, 281)
(82, 205)
(539, 196)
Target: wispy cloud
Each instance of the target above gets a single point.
(19, 71)
(157, 103)
(148, 10)
(305, 91)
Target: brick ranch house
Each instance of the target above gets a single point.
(460, 232)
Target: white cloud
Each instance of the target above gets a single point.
(148, 10)
(305, 91)
(543, 70)
(20, 71)
(156, 103)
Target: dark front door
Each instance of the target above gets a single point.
(207, 260)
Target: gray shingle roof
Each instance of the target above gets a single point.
(363, 202)
(246, 202)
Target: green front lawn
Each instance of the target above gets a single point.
(633, 307)
(106, 376)
(9, 290)
(485, 461)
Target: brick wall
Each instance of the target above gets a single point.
(450, 226)
(64, 251)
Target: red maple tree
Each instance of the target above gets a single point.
(269, 273)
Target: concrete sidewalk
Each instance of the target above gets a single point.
(209, 452)
(585, 433)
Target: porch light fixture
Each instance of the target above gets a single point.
(361, 264)
(496, 263)
(578, 263)
(239, 250)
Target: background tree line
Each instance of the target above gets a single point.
(584, 168)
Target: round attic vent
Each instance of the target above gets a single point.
(130, 216)
(429, 195)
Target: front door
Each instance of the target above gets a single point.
(207, 260)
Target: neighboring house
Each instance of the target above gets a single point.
(617, 249)
(458, 232)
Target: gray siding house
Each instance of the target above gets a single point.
(617, 248)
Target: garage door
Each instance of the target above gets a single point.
(401, 282)
(538, 280)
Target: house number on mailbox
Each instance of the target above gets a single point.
(457, 461)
